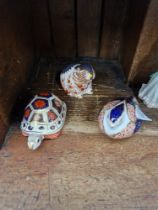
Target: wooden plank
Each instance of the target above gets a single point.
(16, 55)
(82, 169)
(79, 171)
(135, 16)
(145, 58)
(88, 22)
(112, 28)
(107, 86)
(41, 27)
(3, 130)
(63, 27)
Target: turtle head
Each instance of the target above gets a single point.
(34, 141)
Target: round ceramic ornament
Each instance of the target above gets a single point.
(149, 92)
(121, 118)
(44, 117)
(76, 79)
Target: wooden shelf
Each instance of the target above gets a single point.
(81, 113)
(83, 169)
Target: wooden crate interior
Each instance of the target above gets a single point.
(83, 169)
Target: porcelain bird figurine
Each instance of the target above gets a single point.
(121, 118)
(76, 79)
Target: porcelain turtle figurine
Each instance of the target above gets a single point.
(121, 118)
(44, 117)
(76, 79)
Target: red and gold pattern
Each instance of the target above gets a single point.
(44, 117)
(40, 104)
(44, 94)
(53, 136)
(52, 116)
(27, 113)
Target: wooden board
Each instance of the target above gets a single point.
(112, 28)
(63, 27)
(79, 28)
(88, 22)
(83, 169)
(41, 27)
(79, 171)
(83, 114)
(135, 16)
(108, 79)
(16, 55)
(145, 59)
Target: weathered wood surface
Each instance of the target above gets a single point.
(79, 172)
(83, 169)
(41, 27)
(106, 29)
(107, 85)
(103, 28)
(16, 55)
(84, 28)
(145, 60)
(62, 16)
(114, 14)
(135, 16)
(83, 114)
(88, 22)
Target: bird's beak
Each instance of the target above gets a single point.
(90, 76)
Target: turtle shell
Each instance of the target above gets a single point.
(44, 115)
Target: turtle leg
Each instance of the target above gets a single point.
(53, 136)
(34, 141)
(24, 134)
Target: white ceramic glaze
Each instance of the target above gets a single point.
(149, 92)
(121, 118)
(34, 141)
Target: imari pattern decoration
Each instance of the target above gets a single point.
(121, 118)
(76, 80)
(40, 104)
(44, 117)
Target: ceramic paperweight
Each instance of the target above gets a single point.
(44, 117)
(76, 79)
(121, 118)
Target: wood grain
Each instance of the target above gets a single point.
(135, 16)
(83, 169)
(145, 59)
(79, 171)
(63, 27)
(113, 19)
(83, 114)
(88, 22)
(16, 55)
(41, 27)
(3, 130)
